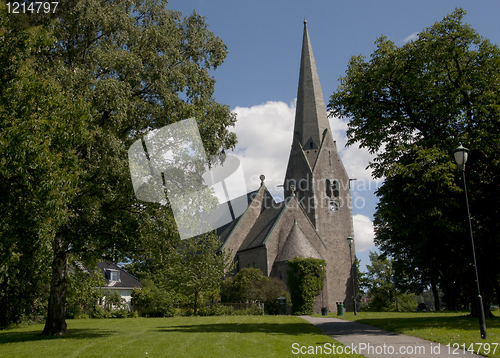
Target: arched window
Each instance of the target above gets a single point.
(336, 188)
(328, 188)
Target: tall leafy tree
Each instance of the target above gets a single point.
(122, 67)
(384, 286)
(198, 267)
(41, 127)
(411, 106)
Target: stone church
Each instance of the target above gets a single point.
(315, 219)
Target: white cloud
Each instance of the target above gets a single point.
(411, 37)
(264, 139)
(363, 233)
(355, 159)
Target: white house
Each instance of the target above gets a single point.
(118, 280)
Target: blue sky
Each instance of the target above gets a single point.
(259, 78)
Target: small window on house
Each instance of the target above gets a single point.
(254, 265)
(112, 275)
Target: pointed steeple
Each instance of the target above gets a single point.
(310, 116)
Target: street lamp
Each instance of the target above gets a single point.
(461, 155)
(323, 308)
(351, 239)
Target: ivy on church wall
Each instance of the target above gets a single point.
(306, 279)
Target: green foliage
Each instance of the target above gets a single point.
(250, 285)
(39, 168)
(305, 280)
(228, 310)
(72, 104)
(152, 301)
(361, 276)
(275, 289)
(84, 293)
(198, 267)
(381, 285)
(253, 311)
(411, 106)
(217, 310)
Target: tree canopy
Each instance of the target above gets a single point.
(107, 72)
(41, 127)
(198, 267)
(411, 106)
(383, 286)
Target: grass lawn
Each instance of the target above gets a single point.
(226, 336)
(453, 327)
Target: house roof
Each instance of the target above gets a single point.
(126, 279)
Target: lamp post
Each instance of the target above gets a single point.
(323, 308)
(461, 154)
(351, 239)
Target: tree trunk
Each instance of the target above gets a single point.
(474, 307)
(435, 293)
(196, 303)
(55, 324)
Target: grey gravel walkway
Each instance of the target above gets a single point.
(375, 342)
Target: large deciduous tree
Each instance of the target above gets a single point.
(411, 106)
(198, 267)
(140, 66)
(41, 128)
(122, 67)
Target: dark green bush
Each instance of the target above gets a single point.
(150, 301)
(83, 294)
(253, 311)
(250, 285)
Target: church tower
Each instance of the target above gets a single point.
(317, 178)
(315, 219)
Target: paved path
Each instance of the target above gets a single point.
(375, 342)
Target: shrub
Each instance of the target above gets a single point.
(306, 280)
(83, 295)
(150, 301)
(275, 289)
(250, 285)
(253, 311)
(217, 310)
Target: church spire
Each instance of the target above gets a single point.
(310, 116)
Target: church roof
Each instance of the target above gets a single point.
(297, 244)
(225, 230)
(311, 118)
(262, 227)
